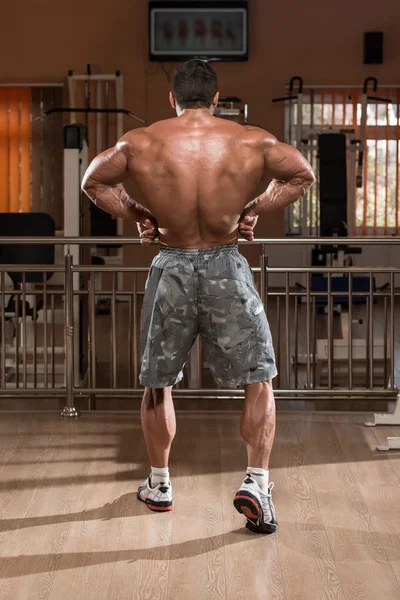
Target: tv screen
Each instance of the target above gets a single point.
(195, 29)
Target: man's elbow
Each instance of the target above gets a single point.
(88, 187)
(309, 178)
(306, 181)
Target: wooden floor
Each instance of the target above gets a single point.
(72, 528)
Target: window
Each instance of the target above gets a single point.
(15, 135)
(31, 150)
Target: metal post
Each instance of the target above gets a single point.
(314, 341)
(278, 343)
(287, 329)
(92, 337)
(263, 267)
(114, 332)
(330, 333)
(308, 330)
(70, 410)
(392, 331)
(296, 342)
(52, 340)
(135, 332)
(371, 332)
(45, 336)
(24, 338)
(3, 330)
(385, 344)
(350, 332)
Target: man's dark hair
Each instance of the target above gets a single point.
(194, 85)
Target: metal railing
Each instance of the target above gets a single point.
(315, 360)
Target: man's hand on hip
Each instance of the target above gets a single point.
(148, 229)
(247, 222)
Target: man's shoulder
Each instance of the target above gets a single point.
(136, 139)
(258, 135)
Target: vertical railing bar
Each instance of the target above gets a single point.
(367, 364)
(92, 333)
(330, 333)
(371, 331)
(287, 329)
(17, 340)
(263, 265)
(314, 341)
(392, 330)
(114, 330)
(24, 378)
(53, 340)
(296, 342)
(385, 332)
(278, 345)
(45, 340)
(35, 316)
(350, 332)
(3, 331)
(89, 340)
(135, 332)
(308, 332)
(69, 410)
(130, 340)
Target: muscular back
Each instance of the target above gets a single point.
(196, 173)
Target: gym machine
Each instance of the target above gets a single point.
(232, 109)
(339, 169)
(76, 162)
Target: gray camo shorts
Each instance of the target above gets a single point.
(211, 293)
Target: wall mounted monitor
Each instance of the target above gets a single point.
(182, 30)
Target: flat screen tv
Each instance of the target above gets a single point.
(182, 30)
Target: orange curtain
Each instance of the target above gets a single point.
(15, 139)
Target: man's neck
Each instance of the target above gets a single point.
(194, 112)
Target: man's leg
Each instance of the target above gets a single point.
(159, 424)
(169, 327)
(159, 427)
(257, 426)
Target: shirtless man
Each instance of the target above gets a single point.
(197, 177)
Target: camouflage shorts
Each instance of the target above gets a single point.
(210, 292)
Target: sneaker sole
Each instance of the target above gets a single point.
(159, 507)
(248, 505)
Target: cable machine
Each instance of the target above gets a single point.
(337, 155)
(77, 139)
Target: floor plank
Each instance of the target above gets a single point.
(352, 534)
(97, 525)
(37, 551)
(142, 557)
(197, 549)
(252, 564)
(306, 555)
(72, 527)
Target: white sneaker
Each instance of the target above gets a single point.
(158, 498)
(256, 506)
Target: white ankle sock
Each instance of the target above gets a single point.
(159, 476)
(260, 476)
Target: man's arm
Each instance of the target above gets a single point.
(102, 183)
(103, 180)
(291, 174)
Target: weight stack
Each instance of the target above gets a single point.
(332, 184)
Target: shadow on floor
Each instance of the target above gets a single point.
(19, 566)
